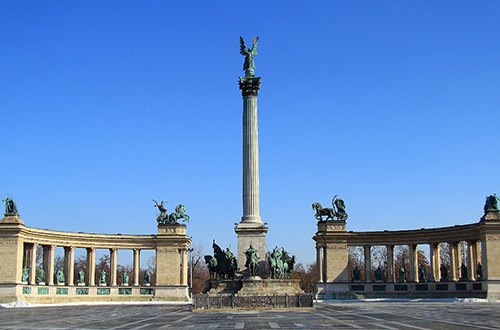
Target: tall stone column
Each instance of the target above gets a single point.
(251, 229)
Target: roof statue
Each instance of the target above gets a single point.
(10, 206)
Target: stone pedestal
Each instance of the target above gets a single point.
(253, 286)
(171, 293)
(214, 287)
(12, 218)
(257, 237)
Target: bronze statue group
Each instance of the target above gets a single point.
(223, 264)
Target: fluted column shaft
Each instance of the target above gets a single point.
(251, 209)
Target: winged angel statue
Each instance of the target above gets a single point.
(249, 66)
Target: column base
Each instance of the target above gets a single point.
(255, 235)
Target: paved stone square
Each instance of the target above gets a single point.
(345, 315)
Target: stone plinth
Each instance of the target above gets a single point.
(214, 287)
(171, 293)
(257, 237)
(253, 286)
(12, 218)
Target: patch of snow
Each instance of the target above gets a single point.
(468, 300)
(98, 303)
(15, 304)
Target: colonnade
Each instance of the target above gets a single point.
(30, 257)
(18, 270)
(433, 273)
(480, 243)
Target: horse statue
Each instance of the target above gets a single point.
(288, 267)
(321, 212)
(222, 264)
(178, 214)
(272, 264)
(280, 264)
(252, 262)
(212, 266)
(335, 213)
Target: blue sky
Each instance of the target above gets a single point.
(107, 104)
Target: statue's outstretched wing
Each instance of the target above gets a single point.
(243, 47)
(254, 47)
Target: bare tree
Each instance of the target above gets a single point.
(102, 265)
(80, 264)
(307, 276)
(402, 259)
(355, 258)
(200, 270)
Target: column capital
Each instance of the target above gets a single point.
(249, 86)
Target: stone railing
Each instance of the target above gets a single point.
(221, 301)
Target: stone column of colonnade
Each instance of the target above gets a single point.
(435, 259)
(184, 277)
(472, 247)
(69, 264)
(32, 264)
(413, 262)
(454, 260)
(137, 253)
(368, 264)
(48, 264)
(319, 263)
(113, 254)
(390, 263)
(90, 266)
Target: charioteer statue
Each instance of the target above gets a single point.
(164, 218)
(335, 213)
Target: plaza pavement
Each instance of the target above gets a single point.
(328, 315)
